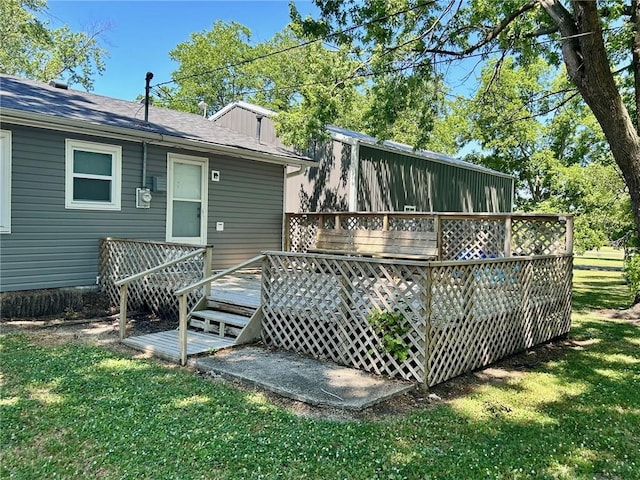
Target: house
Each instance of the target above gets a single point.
(77, 167)
(356, 172)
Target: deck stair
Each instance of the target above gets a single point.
(228, 309)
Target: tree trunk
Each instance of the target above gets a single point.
(589, 69)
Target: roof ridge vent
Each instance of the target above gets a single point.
(60, 85)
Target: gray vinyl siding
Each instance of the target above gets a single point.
(51, 247)
(388, 181)
(249, 200)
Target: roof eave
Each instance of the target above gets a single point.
(52, 122)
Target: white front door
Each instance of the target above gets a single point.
(187, 199)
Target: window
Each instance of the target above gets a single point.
(5, 181)
(93, 173)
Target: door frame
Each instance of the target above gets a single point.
(203, 163)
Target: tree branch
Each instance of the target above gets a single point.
(498, 29)
(567, 27)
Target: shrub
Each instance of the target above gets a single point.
(632, 274)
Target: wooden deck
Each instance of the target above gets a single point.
(240, 289)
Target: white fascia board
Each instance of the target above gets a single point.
(343, 138)
(257, 109)
(49, 122)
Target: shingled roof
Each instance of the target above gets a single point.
(37, 100)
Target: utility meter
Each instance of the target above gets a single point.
(143, 198)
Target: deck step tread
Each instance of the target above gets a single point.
(242, 299)
(223, 317)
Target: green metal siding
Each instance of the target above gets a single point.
(388, 181)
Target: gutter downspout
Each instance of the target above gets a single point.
(295, 173)
(354, 171)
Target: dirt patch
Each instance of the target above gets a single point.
(631, 315)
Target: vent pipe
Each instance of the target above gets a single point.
(147, 88)
(60, 85)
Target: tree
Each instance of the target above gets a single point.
(222, 65)
(559, 156)
(29, 48)
(407, 42)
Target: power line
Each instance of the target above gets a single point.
(300, 45)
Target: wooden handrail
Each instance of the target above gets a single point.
(124, 283)
(139, 275)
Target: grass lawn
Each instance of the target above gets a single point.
(605, 257)
(74, 411)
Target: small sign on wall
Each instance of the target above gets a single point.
(215, 176)
(219, 226)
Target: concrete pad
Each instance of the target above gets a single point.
(305, 379)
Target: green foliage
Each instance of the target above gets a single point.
(306, 85)
(391, 328)
(632, 274)
(561, 159)
(31, 49)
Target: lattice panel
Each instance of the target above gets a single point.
(484, 311)
(320, 305)
(537, 236)
(412, 224)
(360, 222)
(463, 237)
(302, 232)
(469, 239)
(122, 258)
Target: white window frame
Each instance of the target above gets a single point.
(5, 188)
(116, 174)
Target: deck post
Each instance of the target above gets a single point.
(507, 236)
(569, 235)
(437, 226)
(183, 329)
(428, 299)
(287, 232)
(208, 261)
(124, 289)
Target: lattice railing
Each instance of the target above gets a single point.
(120, 258)
(538, 236)
(458, 315)
(472, 238)
(321, 305)
(482, 311)
(460, 236)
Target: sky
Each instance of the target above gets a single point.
(140, 34)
